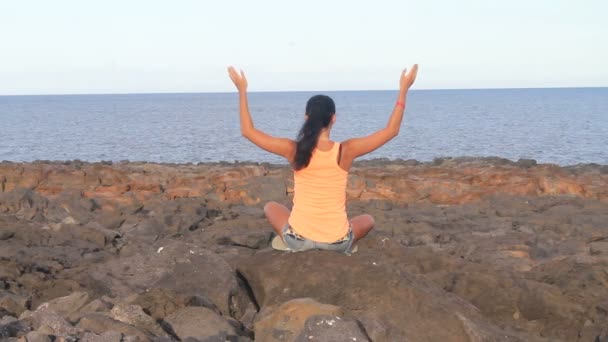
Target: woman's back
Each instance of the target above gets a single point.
(319, 211)
(320, 176)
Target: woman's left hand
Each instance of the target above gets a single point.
(239, 79)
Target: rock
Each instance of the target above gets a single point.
(526, 163)
(134, 315)
(256, 240)
(9, 270)
(108, 336)
(67, 305)
(287, 321)
(382, 205)
(323, 328)
(599, 247)
(179, 266)
(412, 308)
(34, 336)
(14, 305)
(48, 321)
(99, 323)
(160, 302)
(485, 246)
(96, 305)
(13, 329)
(200, 323)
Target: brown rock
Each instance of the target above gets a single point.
(134, 315)
(331, 328)
(412, 309)
(287, 321)
(200, 323)
(100, 324)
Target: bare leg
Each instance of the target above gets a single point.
(361, 225)
(277, 214)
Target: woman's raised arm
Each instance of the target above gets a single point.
(281, 146)
(356, 147)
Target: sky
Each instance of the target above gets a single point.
(133, 46)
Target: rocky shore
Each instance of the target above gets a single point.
(464, 249)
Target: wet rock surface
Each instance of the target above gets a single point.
(463, 250)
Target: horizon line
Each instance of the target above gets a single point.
(297, 91)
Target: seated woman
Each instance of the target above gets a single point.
(318, 218)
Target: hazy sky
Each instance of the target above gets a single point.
(112, 46)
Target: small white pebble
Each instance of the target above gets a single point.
(160, 249)
(191, 252)
(310, 337)
(374, 263)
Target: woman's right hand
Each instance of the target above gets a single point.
(408, 77)
(239, 79)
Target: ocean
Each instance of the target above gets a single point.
(564, 126)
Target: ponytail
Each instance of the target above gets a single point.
(319, 110)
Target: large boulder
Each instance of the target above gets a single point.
(392, 305)
(175, 265)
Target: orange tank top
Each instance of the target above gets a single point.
(319, 211)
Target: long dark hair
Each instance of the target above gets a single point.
(319, 109)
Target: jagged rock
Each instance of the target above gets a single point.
(134, 315)
(96, 305)
(67, 305)
(46, 320)
(99, 323)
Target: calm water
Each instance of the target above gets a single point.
(563, 126)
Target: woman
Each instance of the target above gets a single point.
(318, 219)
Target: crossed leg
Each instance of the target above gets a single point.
(278, 214)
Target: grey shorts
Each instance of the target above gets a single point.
(297, 243)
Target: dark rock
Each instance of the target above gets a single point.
(183, 267)
(256, 240)
(526, 163)
(14, 329)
